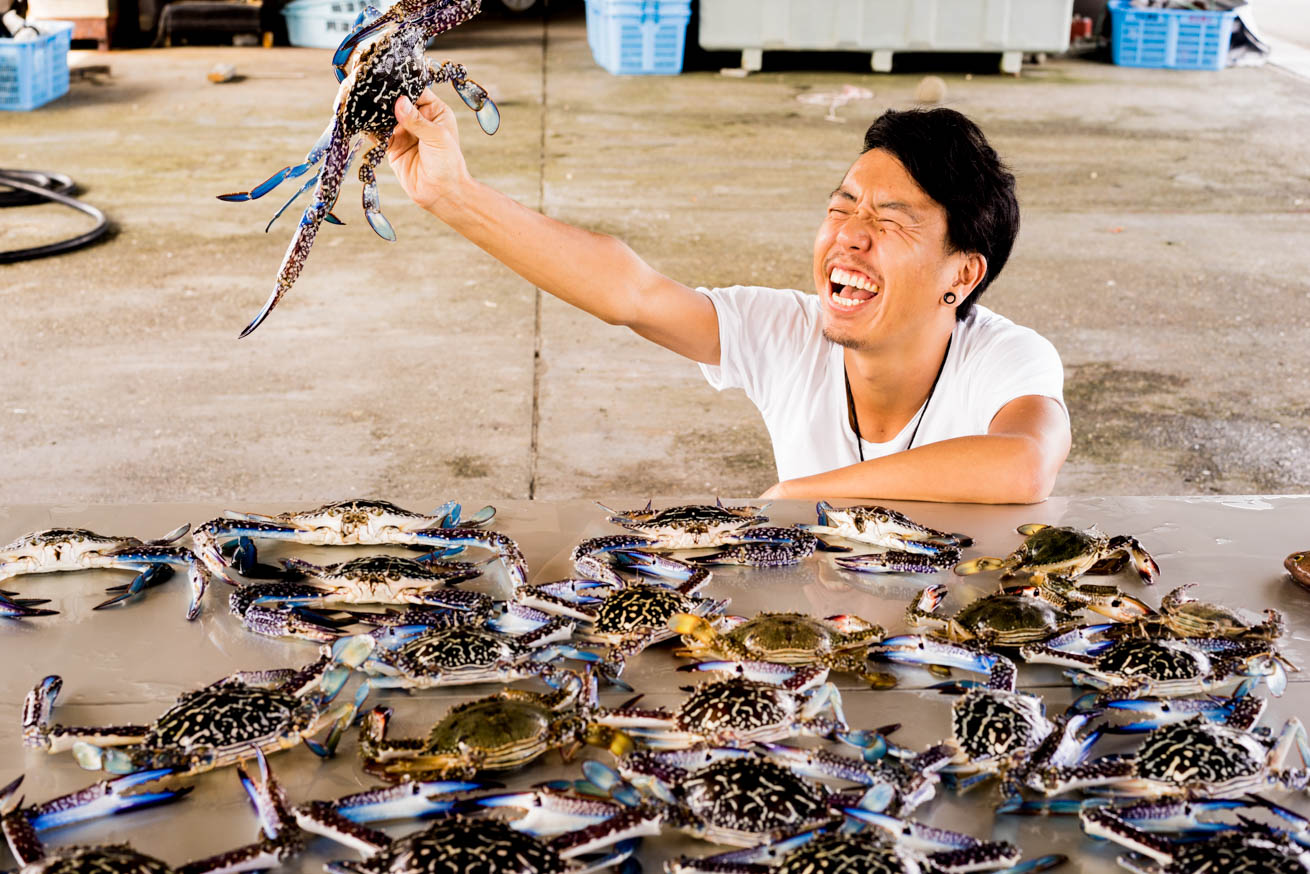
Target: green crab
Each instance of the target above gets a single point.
(836, 642)
(1000, 619)
(1060, 551)
(500, 732)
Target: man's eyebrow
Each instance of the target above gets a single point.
(842, 193)
(899, 207)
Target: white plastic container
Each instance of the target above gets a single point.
(884, 27)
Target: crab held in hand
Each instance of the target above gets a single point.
(383, 71)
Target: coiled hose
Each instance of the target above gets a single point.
(27, 187)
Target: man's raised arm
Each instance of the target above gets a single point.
(594, 272)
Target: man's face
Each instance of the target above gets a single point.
(886, 239)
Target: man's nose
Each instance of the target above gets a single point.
(856, 234)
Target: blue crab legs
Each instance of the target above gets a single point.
(364, 111)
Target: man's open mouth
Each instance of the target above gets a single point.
(849, 289)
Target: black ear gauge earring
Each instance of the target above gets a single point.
(948, 298)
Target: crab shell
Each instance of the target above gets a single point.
(796, 638)
(688, 526)
(459, 845)
(1005, 620)
(737, 801)
(992, 724)
(1189, 617)
(456, 649)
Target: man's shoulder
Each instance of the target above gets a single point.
(763, 296)
(986, 332)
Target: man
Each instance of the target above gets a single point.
(891, 382)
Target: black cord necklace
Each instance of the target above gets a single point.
(923, 413)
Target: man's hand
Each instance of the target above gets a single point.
(424, 151)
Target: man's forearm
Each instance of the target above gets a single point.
(986, 469)
(595, 272)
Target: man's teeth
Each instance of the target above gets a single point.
(854, 280)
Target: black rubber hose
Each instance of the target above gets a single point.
(28, 187)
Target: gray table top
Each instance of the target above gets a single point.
(129, 663)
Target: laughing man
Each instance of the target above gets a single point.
(891, 382)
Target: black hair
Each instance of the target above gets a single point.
(950, 159)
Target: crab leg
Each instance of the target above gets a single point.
(913, 649)
(371, 200)
(315, 155)
(335, 163)
(38, 707)
(896, 562)
(475, 97)
(21, 608)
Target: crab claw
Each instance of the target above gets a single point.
(22, 608)
(478, 100)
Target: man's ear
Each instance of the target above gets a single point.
(972, 270)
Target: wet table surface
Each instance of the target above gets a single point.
(129, 663)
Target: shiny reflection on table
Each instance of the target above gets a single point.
(129, 663)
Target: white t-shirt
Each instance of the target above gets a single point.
(772, 345)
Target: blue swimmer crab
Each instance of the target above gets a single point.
(895, 846)
(383, 71)
(77, 549)
(1193, 758)
(358, 523)
(22, 826)
(723, 795)
(737, 711)
(425, 657)
(1143, 666)
(1250, 848)
(627, 615)
(287, 608)
(735, 533)
(221, 724)
(995, 729)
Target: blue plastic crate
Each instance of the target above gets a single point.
(638, 36)
(323, 24)
(34, 72)
(1180, 39)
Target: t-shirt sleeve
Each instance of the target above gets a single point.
(762, 331)
(1016, 363)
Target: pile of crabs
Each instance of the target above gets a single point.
(759, 759)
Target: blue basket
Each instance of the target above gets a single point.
(1180, 39)
(643, 37)
(322, 24)
(34, 72)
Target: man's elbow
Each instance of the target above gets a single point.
(1035, 478)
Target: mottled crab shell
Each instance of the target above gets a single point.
(111, 859)
(688, 526)
(383, 569)
(77, 540)
(752, 796)
(1155, 659)
(229, 716)
(1199, 754)
(450, 648)
(1013, 618)
(992, 723)
(735, 705)
(1237, 854)
(638, 607)
(459, 845)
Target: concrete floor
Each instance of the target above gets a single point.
(1166, 223)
